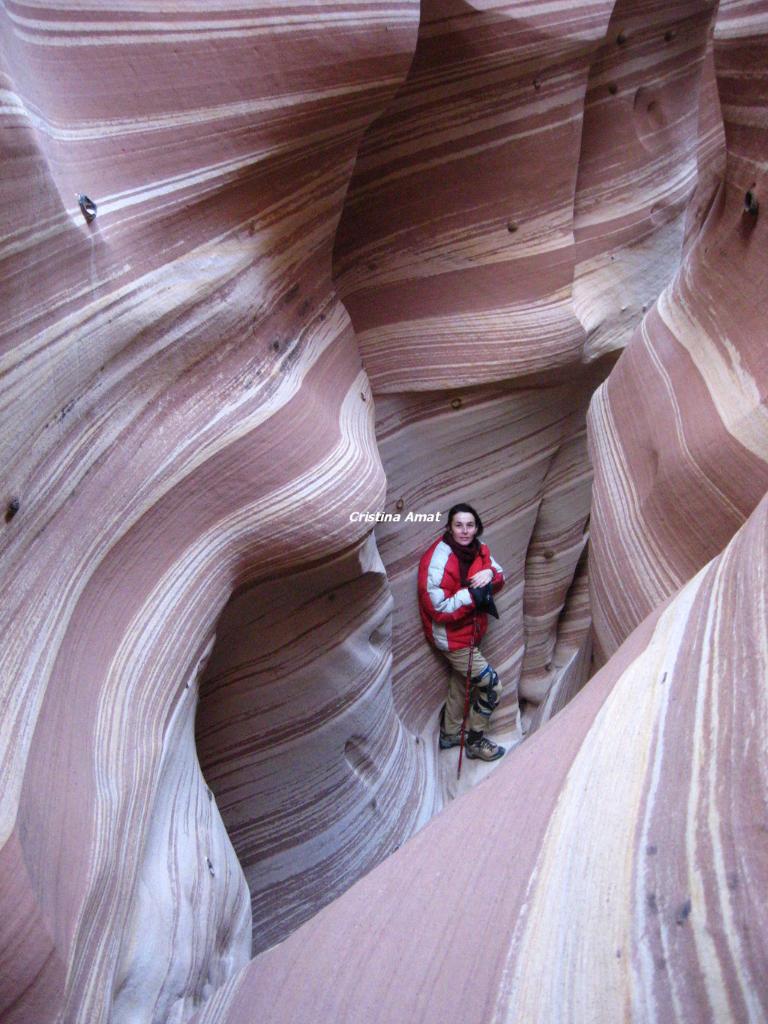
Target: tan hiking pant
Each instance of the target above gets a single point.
(454, 704)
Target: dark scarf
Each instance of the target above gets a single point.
(466, 554)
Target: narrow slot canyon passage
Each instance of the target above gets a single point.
(265, 267)
(317, 720)
(519, 455)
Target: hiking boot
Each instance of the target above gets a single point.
(479, 747)
(447, 739)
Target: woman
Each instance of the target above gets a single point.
(453, 623)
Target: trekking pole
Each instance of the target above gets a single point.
(466, 693)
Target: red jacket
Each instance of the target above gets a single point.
(447, 608)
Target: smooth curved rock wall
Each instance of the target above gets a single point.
(184, 413)
(512, 215)
(315, 775)
(618, 855)
(187, 426)
(647, 129)
(679, 432)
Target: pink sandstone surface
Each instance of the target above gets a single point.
(218, 711)
(680, 429)
(610, 870)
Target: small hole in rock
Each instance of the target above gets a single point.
(751, 205)
(87, 207)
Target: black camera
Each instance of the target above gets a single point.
(483, 598)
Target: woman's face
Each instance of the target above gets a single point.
(463, 527)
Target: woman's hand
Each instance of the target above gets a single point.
(481, 578)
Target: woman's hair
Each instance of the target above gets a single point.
(463, 507)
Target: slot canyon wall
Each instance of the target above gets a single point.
(371, 257)
(512, 216)
(185, 416)
(680, 430)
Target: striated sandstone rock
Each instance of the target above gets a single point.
(512, 214)
(504, 449)
(455, 264)
(186, 427)
(679, 432)
(618, 856)
(648, 131)
(315, 775)
(184, 414)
